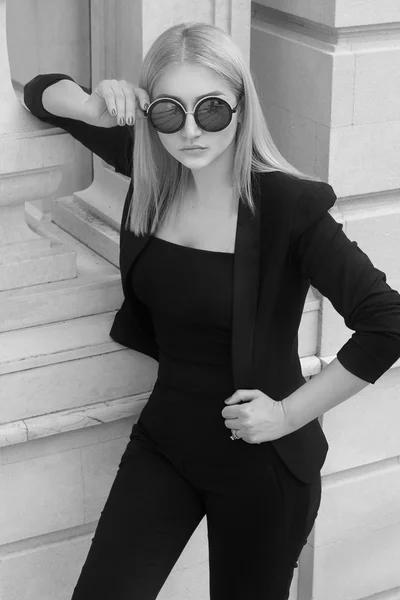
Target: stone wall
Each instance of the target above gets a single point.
(52, 36)
(329, 76)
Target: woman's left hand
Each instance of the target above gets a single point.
(261, 419)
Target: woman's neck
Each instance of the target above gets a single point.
(219, 200)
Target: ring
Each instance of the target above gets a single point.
(235, 435)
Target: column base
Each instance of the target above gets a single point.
(83, 224)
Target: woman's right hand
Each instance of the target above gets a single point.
(126, 100)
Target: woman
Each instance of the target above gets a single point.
(219, 246)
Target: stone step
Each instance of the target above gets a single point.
(96, 289)
(55, 263)
(87, 294)
(56, 342)
(65, 365)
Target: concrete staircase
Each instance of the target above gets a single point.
(59, 368)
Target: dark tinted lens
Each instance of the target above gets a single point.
(213, 114)
(166, 116)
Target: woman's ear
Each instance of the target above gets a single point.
(239, 117)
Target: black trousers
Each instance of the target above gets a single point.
(259, 516)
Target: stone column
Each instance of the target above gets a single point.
(30, 167)
(122, 32)
(329, 75)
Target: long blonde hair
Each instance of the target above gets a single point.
(159, 180)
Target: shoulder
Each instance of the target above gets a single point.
(290, 188)
(299, 202)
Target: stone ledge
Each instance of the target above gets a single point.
(36, 427)
(87, 294)
(392, 594)
(95, 289)
(70, 214)
(33, 428)
(330, 22)
(325, 360)
(51, 539)
(56, 263)
(56, 342)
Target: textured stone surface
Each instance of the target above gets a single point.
(70, 420)
(96, 289)
(357, 503)
(53, 264)
(339, 13)
(189, 584)
(49, 572)
(64, 561)
(359, 567)
(46, 342)
(285, 64)
(69, 440)
(64, 47)
(373, 151)
(76, 382)
(40, 495)
(365, 428)
(355, 96)
(377, 85)
(321, 12)
(83, 224)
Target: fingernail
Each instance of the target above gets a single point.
(113, 112)
(121, 121)
(130, 120)
(145, 107)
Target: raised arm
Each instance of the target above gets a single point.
(113, 144)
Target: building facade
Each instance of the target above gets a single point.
(328, 74)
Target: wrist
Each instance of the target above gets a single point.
(293, 418)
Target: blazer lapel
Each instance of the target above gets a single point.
(246, 281)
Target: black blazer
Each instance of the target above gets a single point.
(290, 243)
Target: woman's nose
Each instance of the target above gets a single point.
(190, 128)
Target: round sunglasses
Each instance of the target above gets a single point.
(210, 113)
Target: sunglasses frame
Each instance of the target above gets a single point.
(190, 112)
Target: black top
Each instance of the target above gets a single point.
(189, 294)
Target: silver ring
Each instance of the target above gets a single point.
(234, 435)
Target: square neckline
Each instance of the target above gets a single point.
(191, 248)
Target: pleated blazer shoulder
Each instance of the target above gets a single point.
(290, 243)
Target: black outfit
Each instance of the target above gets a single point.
(181, 464)
(216, 323)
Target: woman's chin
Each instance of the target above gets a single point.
(194, 162)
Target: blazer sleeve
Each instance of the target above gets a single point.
(114, 144)
(344, 274)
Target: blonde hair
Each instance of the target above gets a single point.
(159, 180)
